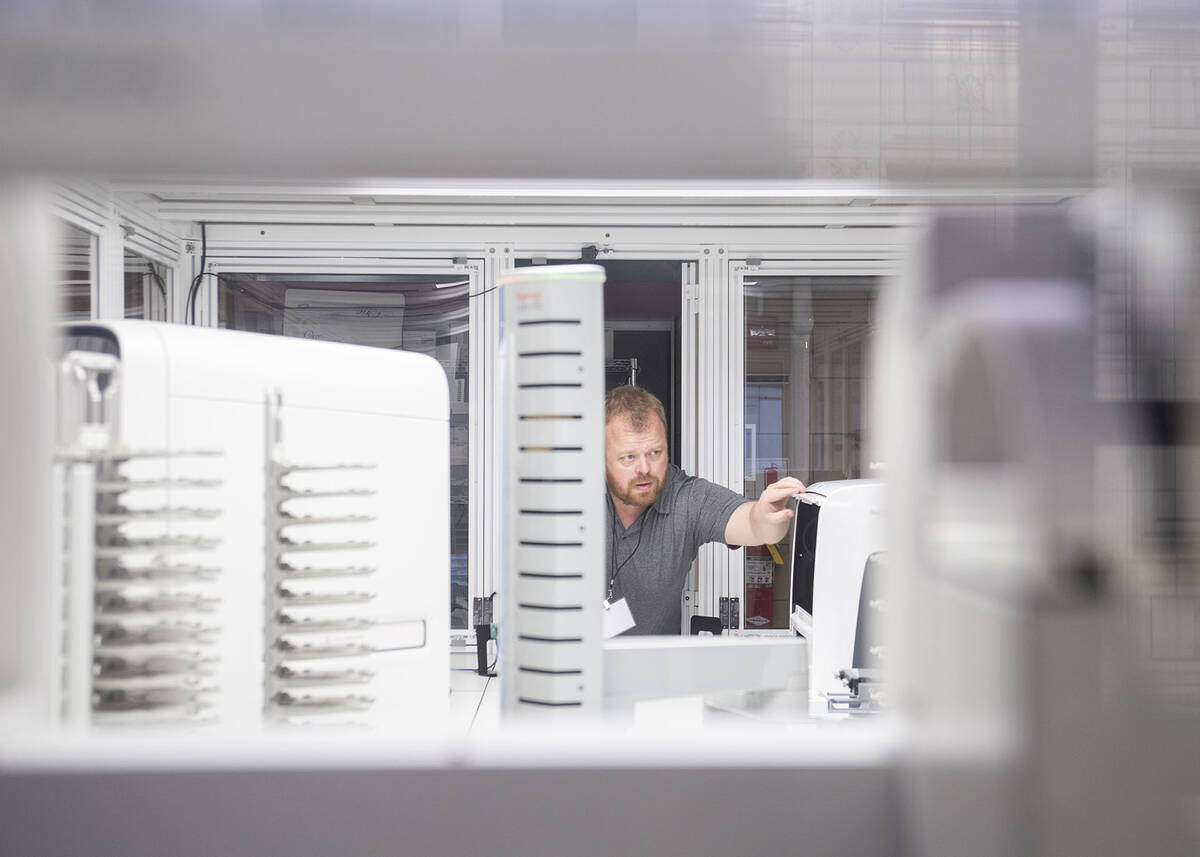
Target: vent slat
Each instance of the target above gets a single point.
(541, 671)
(528, 701)
(530, 638)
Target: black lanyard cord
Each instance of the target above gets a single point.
(612, 581)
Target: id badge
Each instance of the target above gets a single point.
(617, 618)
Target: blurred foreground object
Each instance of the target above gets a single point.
(1033, 731)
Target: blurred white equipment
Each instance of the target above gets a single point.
(256, 530)
(838, 534)
(642, 668)
(1012, 662)
(552, 625)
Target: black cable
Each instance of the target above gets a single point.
(631, 553)
(153, 273)
(266, 303)
(189, 315)
(481, 294)
(194, 288)
(271, 305)
(612, 558)
(158, 281)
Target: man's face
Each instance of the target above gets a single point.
(635, 462)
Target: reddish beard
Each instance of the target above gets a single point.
(644, 498)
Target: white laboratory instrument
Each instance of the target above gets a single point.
(255, 531)
(837, 534)
(551, 622)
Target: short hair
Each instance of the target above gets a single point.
(636, 403)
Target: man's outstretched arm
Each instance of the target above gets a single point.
(763, 521)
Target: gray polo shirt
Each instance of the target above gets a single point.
(657, 550)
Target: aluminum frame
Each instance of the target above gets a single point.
(710, 418)
(116, 226)
(480, 271)
(731, 580)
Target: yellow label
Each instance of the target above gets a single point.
(775, 555)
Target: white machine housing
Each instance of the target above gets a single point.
(849, 530)
(323, 598)
(552, 347)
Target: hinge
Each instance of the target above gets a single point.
(730, 612)
(481, 611)
(691, 285)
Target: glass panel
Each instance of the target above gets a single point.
(425, 313)
(145, 288)
(76, 270)
(805, 402)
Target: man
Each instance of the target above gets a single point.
(658, 516)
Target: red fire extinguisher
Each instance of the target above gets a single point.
(760, 588)
(760, 577)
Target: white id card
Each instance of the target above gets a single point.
(617, 617)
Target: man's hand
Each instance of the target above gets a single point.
(765, 520)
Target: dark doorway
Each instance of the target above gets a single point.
(642, 299)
